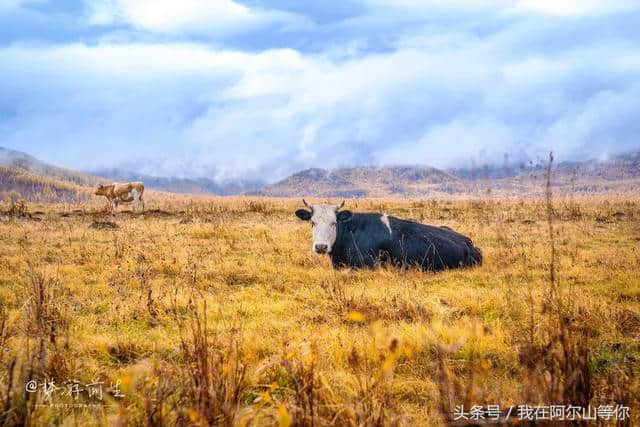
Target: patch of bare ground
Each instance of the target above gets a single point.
(104, 225)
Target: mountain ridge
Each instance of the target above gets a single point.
(357, 181)
(418, 181)
(181, 185)
(621, 173)
(24, 162)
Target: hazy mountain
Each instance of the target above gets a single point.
(363, 182)
(17, 160)
(16, 184)
(27, 175)
(419, 181)
(181, 185)
(24, 162)
(623, 166)
(619, 167)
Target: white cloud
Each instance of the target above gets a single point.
(13, 4)
(188, 109)
(573, 7)
(481, 137)
(484, 87)
(552, 7)
(436, 5)
(191, 16)
(496, 9)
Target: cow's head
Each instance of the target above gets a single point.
(101, 190)
(324, 224)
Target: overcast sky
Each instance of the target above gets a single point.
(263, 88)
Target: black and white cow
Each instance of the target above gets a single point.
(368, 239)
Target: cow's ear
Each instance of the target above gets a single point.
(344, 216)
(303, 214)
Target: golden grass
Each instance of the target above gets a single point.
(214, 311)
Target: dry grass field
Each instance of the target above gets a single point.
(213, 311)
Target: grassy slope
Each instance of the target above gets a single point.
(123, 301)
(16, 183)
(385, 182)
(26, 163)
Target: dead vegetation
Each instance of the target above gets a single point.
(212, 311)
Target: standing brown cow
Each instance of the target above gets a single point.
(121, 193)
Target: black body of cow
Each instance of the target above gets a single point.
(365, 241)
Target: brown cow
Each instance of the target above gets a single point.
(121, 193)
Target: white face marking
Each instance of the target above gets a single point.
(323, 222)
(385, 220)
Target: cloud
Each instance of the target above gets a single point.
(574, 7)
(551, 7)
(440, 90)
(13, 4)
(220, 17)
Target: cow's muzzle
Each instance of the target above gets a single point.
(321, 248)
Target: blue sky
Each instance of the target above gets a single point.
(262, 88)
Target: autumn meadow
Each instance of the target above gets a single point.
(214, 311)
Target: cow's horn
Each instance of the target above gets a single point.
(340, 206)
